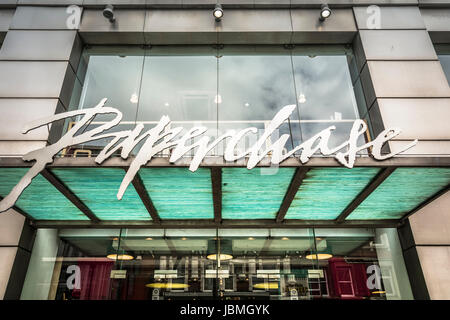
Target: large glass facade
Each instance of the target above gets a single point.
(227, 264)
(223, 89)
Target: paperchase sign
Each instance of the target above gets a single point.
(162, 136)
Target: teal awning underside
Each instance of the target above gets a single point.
(257, 194)
(253, 194)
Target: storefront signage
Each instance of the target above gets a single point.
(163, 136)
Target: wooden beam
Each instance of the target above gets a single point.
(58, 184)
(297, 179)
(426, 202)
(216, 180)
(146, 200)
(376, 181)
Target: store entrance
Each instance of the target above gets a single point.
(226, 264)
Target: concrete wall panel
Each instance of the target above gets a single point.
(23, 79)
(431, 224)
(436, 19)
(7, 255)
(6, 16)
(11, 224)
(50, 2)
(421, 79)
(418, 118)
(180, 26)
(437, 22)
(126, 21)
(435, 262)
(308, 20)
(19, 148)
(127, 29)
(340, 28)
(44, 18)
(37, 45)
(16, 113)
(397, 45)
(423, 148)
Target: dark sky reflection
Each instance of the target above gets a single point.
(250, 88)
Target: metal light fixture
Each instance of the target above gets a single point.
(218, 12)
(319, 255)
(108, 13)
(113, 254)
(325, 12)
(224, 246)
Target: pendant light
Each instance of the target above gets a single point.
(322, 254)
(113, 254)
(225, 246)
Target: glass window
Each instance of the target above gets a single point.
(254, 84)
(325, 95)
(228, 264)
(224, 89)
(116, 77)
(181, 84)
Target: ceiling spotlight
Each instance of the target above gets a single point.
(325, 12)
(218, 12)
(108, 13)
